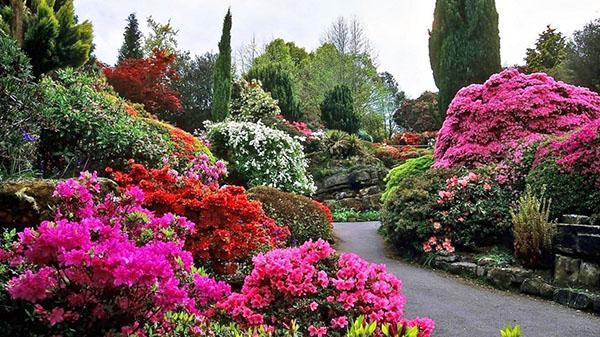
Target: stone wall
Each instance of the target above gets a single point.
(358, 187)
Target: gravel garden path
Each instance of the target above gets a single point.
(460, 307)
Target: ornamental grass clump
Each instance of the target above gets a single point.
(532, 229)
(319, 290)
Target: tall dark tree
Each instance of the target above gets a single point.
(337, 110)
(419, 114)
(195, 85)
(548, 54)
(583, 56)
(464, 45)
(50, 33)
(223, 77)
(277, 81)
(132, 40)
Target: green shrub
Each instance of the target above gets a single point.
(250, 103)
(338, 112)
(19, 119)
(532, 230)
(408, 210)
(397, 174)
(346, 215)
(91, 128)
(571, 193)
(303, 216)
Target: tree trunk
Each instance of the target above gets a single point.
(17, 20)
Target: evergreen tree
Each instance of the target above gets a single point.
(583, 56)
(548, 54)
(222, 80)
(464, 46)
(337, 110)
(277, 81)
(132, 40)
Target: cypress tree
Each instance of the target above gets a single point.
(464, 46)
(277, 81)
(337, 110)
(222, 77)
(132, 40)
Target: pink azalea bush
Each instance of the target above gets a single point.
(106, 265)
(485, 121)
(319, 289)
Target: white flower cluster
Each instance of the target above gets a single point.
(262, 155)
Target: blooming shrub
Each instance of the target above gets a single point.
(413, 138)
(484, 121)
(398, 173)
(103, 265)
(258, 155)
(250, 103)
(147, 81)
(229, 227)
(318, 289)
(306, 218)
(472, 211)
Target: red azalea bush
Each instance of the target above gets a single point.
(413, 138)
(101, 267)
(229, 226)
(320, 290)
(485, 121)
(147, 81)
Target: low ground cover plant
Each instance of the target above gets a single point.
(349, 214)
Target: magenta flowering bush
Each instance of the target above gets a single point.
(319, 289)
(104, 266)
(485, 121)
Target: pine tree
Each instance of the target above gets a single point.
(277, 81)
(222, 78)
(464, 46)
(549, 52)
(337, 111)
(132, 40)
(50, 33)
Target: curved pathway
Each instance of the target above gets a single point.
(459, 307)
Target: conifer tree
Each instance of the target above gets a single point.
(464, 46)
(277, 81)
(222, 78)
(337, 110)
(132, 40)
(548, 54)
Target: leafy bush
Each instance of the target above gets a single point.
(91, 129)
(337, 110)
(250, 103)
(19, 121)
(306, 219)
(532, 230)
(486, 121)
(277, 81)
(419, 114)
(398, 173)
(345, 215)
(407, 212)
(230, 228)
(258, 155)
(101, 267)
(318, 289)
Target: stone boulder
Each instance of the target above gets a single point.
(358, 187)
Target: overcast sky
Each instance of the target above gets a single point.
(398, 29)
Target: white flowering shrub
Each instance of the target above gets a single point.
(259, 155)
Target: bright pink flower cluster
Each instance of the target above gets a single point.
(578, 151)
(286, 282)
(107, 264)
(484, 121)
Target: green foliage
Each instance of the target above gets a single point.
(419, 114)
(305, 219)
(338, 112)
(91, 128)
(19, 120)
(409, 168)
(407, 212)
(348, 215)
(464, 46)
(571, 193)
(532, 229)
(278, 82)
(52, 37)
(250, 103)
(162, 36)
(132, 40)
(195, 85)
(548, 54)
(222, 80)
(497, 257)
(373, 124)
(509, 331)
(583, 53)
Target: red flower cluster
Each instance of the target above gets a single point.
(412, 138)
(229, 226)
(146, 81)
(325, 210)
